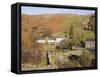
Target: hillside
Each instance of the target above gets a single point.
(54, 22)
(58, 24)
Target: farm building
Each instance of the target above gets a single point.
(50, 40)
(40, 40)
(59, 39)
(90, 43)
(47, 39)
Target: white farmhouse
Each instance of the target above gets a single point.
(59, 39)
(50, 40)
(40, 40)
(43, 40)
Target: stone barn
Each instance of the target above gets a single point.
(90, 43)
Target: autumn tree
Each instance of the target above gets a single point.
(44, 32)
(91, 23)
(71, 32)
(37, 49)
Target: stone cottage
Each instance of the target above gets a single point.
(90, 43)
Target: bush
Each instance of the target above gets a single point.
(27, 58)
(66, 44)
(85, 59)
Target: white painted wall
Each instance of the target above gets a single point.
(42, 41)
(51, 41)
(89, 44)
(59, 40)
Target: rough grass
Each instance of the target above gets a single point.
(84, 34)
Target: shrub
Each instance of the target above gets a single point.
(85, 59)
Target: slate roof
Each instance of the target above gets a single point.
(49, 38)
(90, 40)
